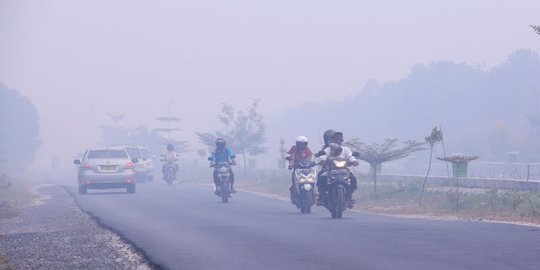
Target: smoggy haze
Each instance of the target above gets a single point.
(77, 60)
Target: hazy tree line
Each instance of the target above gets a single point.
(243, 131)
(19, 130)
(483, 111)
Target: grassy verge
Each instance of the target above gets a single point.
(479, 204)
(17, 194)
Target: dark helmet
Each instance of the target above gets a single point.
(301, 142)
(220, 143)
(328, 135)
(338, 137)
(170, 147)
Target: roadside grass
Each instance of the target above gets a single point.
(17, 194)
(493, 204)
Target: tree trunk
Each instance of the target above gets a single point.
(427, 174)
(457, 191)
(245, 161)
(375, 180)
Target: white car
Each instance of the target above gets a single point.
(148, 161)
(143, 171)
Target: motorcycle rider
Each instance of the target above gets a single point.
(298, 154)
(223, 154)
(327, 138)
(335, 149)
(169, 155)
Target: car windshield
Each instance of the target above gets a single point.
(133, 152)
(97, 154)
(145, 153)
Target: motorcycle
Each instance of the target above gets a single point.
(223, 187)
(305, 177)
(169, 171)
(338, 183)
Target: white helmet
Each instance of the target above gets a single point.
(302, 139)
(301, 142)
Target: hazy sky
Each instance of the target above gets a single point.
(77, 60)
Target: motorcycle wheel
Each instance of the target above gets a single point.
(339, 202)
(169, 177)
(224, 192)
(307, 201)
(131, 188)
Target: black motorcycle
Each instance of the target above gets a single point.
(305, 177)
(338, 182)
(223, 188)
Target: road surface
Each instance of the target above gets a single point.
(185, 226)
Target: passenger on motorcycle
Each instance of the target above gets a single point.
(298, 154)
(169, 156)
(223, 154)
(335, 150)
(328, 136)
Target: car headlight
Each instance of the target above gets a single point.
(340, 163)
(223, 169)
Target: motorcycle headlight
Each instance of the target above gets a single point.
(223, 169)
(340, 163)
(306, 179)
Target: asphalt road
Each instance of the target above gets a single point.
(185, 226)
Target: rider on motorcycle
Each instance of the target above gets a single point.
(223, 154)
(335, 149)
(169, 156)
(327, 138)
(299, 153)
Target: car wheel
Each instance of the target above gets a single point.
(82, 189)
(131, 188)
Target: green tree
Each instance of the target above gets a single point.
(377, 153)
(19, 130)
(243, 131)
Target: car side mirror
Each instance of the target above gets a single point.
(210, 159)
(77, 162)
(135, 160)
